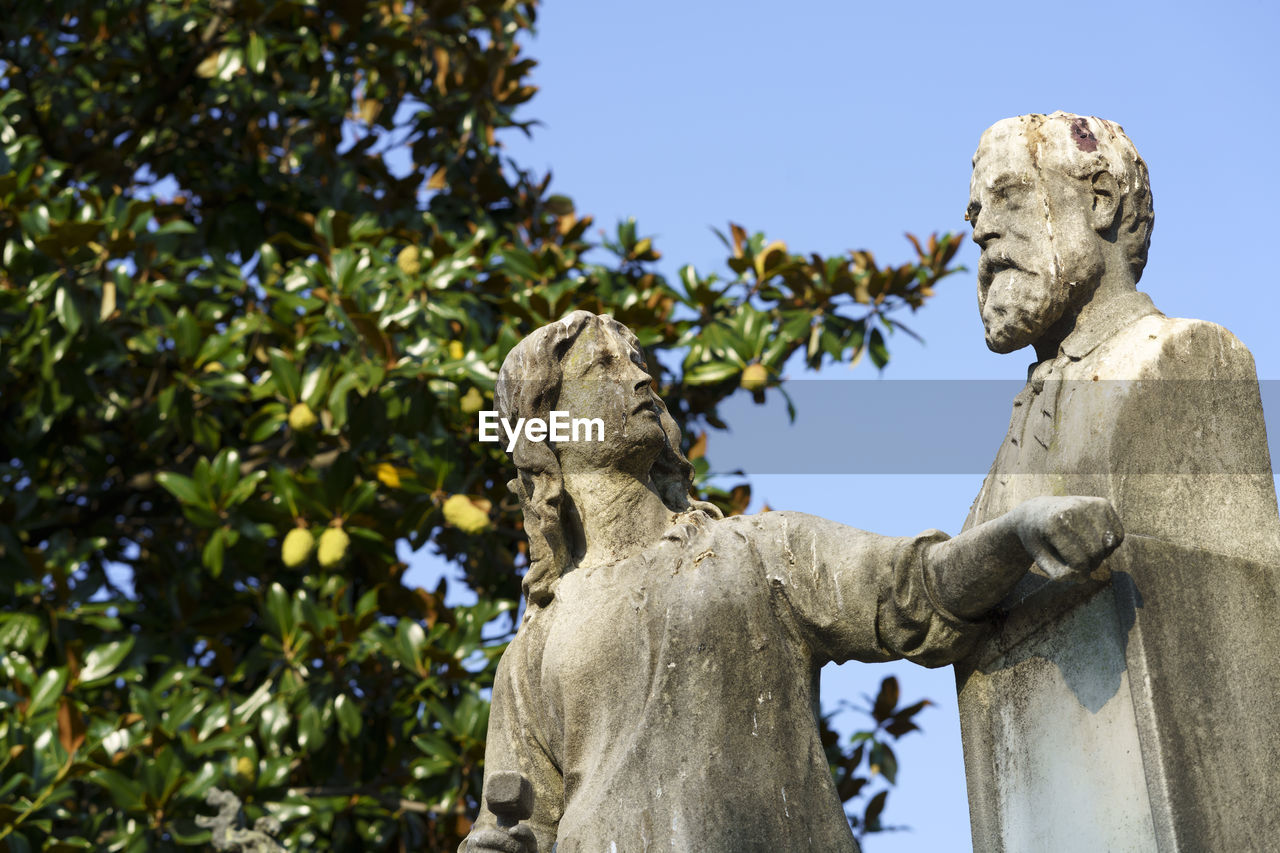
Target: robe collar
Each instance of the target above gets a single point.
(1125, 310)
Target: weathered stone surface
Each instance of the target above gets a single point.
(662, 689)
(509, 796)
(226, 832)
(1133, 712)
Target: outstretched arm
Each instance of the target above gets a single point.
(1067, 537)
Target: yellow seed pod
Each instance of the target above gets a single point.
(471, 402)
(755, 377)
(244, 766)
(297, 547)
(465, 515)
(456, 352)
(388, 475)
(301, 418)
(333, 547)
(409, 260)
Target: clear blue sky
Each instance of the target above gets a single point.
(840, 125)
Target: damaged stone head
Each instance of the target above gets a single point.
(590, 367)
(1061, 206)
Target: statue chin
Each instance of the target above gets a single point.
(1004, 339)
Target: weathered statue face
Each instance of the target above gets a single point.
(1040, 251)
(604, 377)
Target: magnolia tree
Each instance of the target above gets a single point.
(243, 357)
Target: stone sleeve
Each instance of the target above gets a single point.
(854, 595)
(514, 741)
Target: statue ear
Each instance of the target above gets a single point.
(1106, 202)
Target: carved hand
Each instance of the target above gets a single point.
(517, 839)
(1068, 537)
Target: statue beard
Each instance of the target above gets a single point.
(1022, 304)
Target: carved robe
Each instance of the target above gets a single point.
(1088, 699)
(670, 701)
(1162, 416)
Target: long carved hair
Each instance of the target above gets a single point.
(528, 386)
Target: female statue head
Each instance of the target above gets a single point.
(592, 365)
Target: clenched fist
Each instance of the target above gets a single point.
(1068, 537)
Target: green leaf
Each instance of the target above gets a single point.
(198, 785)
(256, 54)
(338, 399)
(367, 604)
(273, 723)
(186, 334)
(181, 487)
(175, 226)
(712, 371)
(215, 717)
(311, 733)
(244, 488)
(292, 809)
(35, 220)
(265, 423)
(125, 792)
(101, 661)
(410, 642)
(887, 699)
(280, 609)
(877, 350)
(225, 471)
(274, 771)
(214, 551)
(890, 766)
(286, 488)
(313, 385)
(285, 374)
(358, 499)
(871, 817)
(349, 720)
(23, 631)
(48, 688)
(66, 310)
(246, 709)
(230, 61)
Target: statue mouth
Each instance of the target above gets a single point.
(993, 262)
(645, 406)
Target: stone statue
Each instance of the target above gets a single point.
(662, 689)
(226, 832)
(1120, 397)
(1086, 713)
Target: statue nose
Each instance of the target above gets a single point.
(984, 230)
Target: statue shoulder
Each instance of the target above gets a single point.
(790, 529)
(1159, 347)
(769, 522)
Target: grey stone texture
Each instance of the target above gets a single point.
(662, 689)
(226, 830)
(1135, 711)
